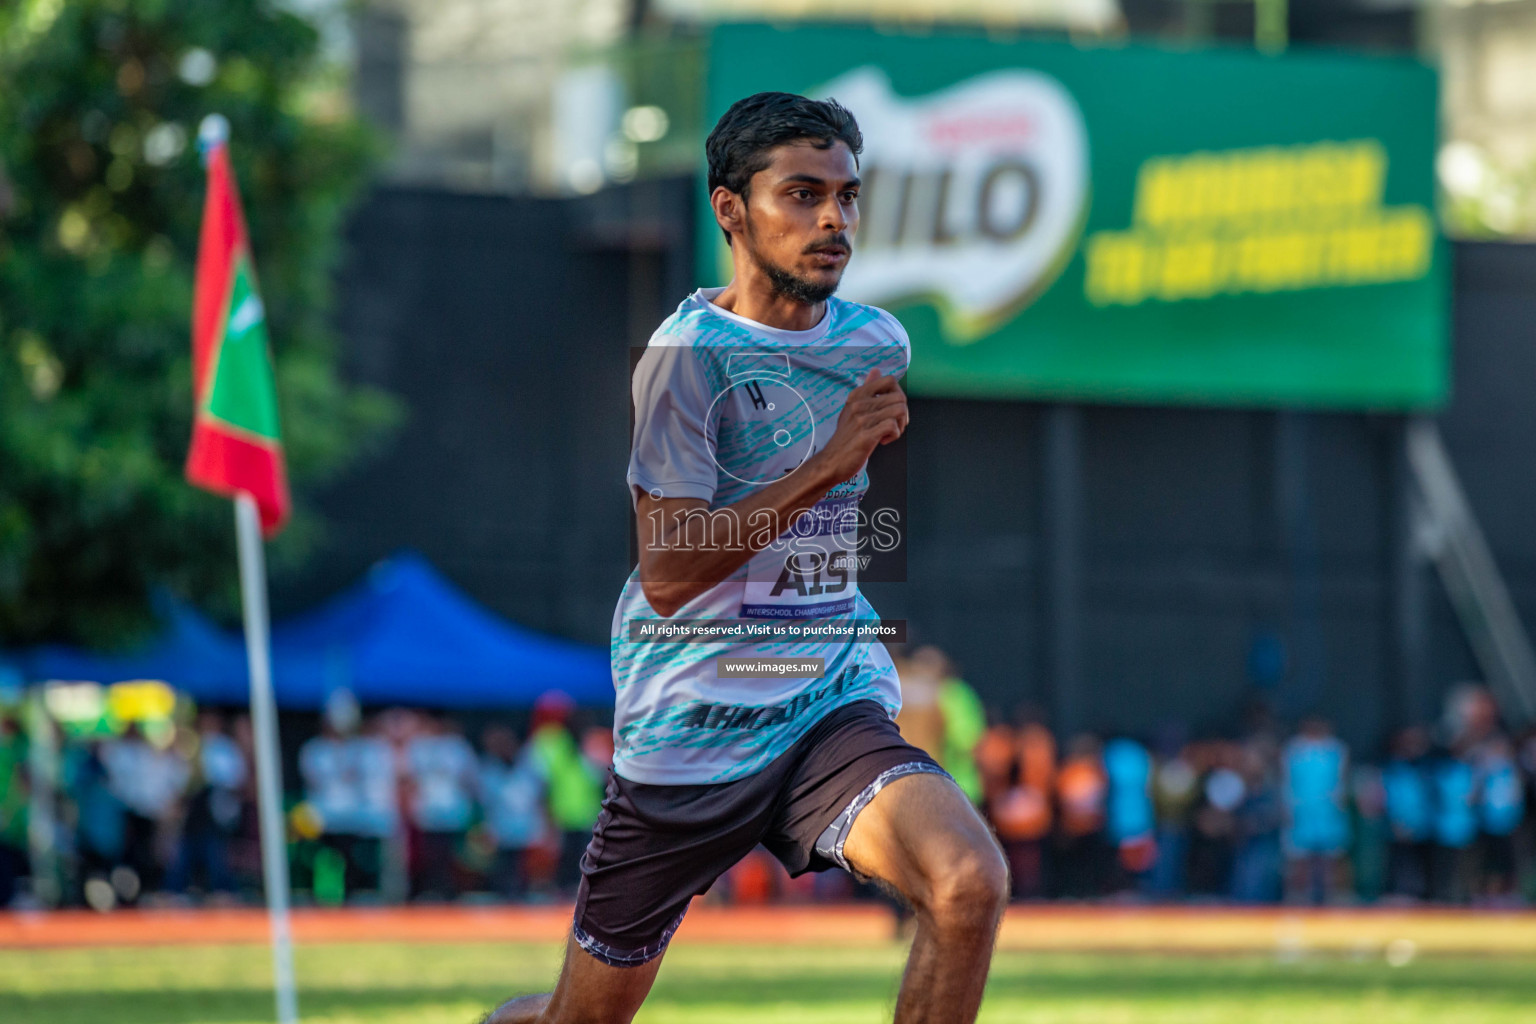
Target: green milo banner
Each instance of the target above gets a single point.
(1130, 224)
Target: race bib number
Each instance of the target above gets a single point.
(811, 571)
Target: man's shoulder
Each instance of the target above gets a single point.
(694, 324)
(857, 322)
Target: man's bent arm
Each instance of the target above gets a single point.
(685, 548)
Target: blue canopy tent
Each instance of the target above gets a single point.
(402, 635)
(191, 653)
(405, 635)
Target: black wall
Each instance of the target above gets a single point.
(1122, 568)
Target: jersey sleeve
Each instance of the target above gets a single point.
(898, 334)
(670, 454)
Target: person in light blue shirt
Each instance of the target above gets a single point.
(1130, 795)
(1500, 807)
(349, 781)
(1410, 809)
(1315, 765)
(1455, 783)
(1128, 811)
(512, 798)
(213, 810)
(440, 774)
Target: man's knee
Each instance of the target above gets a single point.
(970, 890)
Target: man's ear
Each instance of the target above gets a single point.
(730, 209)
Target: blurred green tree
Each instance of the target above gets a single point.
(101, 192)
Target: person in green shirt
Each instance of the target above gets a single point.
(573, 786)
(13, 808)
(965, 720)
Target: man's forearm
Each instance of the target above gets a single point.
(699, 548)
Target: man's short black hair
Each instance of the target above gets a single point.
(738, 147)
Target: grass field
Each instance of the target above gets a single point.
(395, 983)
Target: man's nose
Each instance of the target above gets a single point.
(832, 216)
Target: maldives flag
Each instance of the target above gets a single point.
(235, 442)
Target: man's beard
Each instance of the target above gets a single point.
(799, 289)
(796, 289)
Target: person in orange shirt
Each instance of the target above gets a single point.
(1037, 756)
(996, 763)
(1081, 791)
(1022, 812)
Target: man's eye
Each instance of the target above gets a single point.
(801, 193)
(850, 197)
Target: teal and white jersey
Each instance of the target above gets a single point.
(723, 406)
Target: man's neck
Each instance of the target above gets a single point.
(751, 295)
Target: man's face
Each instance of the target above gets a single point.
(801, 215)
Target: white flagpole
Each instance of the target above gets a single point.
(274, 841)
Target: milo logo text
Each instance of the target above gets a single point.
(974, 196)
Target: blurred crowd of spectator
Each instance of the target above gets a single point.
(399, 806)
(408, 790)
(402, 806)
(1266, 818)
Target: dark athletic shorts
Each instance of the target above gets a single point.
(656, 847)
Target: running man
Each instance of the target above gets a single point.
(758, 406)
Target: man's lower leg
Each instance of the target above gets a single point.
(952, 952)
(588, 991)
(522, 1010)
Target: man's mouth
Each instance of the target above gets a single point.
(830, 255)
